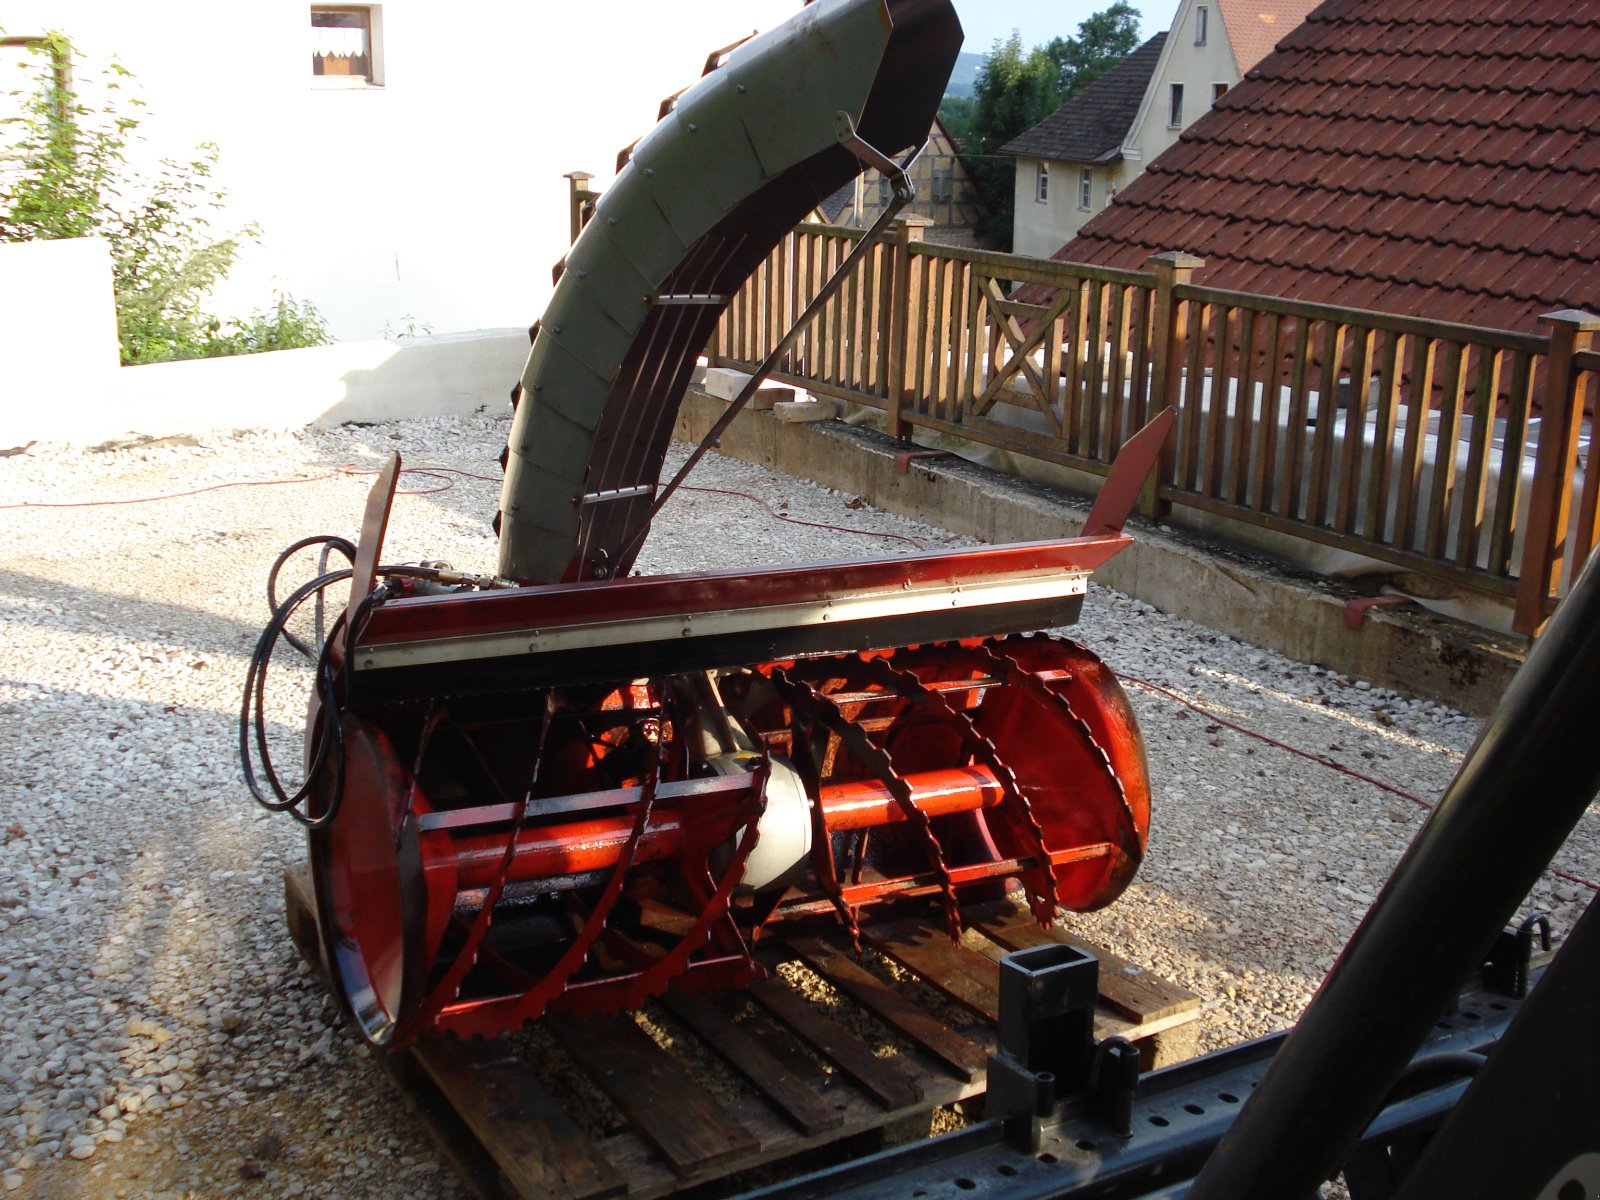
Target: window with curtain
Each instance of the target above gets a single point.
(342, 44)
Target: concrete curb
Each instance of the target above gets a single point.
(1247, 597)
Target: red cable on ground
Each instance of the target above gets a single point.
(899, 537)
(340, 470)
(1320, 759)
(439, 475)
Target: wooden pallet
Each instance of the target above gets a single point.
(850, 1076)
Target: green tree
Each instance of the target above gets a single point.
(68, 176)
(1015, 90)
(1104, 39)
(956, 112)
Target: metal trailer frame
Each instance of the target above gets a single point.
(1394, 1075)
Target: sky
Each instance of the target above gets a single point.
(1040, 20)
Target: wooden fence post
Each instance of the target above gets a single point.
(1544, 546)
(1172, 269)
(579, 196)
(904, 295)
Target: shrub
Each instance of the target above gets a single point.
(68, 176)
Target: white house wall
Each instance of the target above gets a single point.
(1198, 68)
(435, 200)
(1039, 229)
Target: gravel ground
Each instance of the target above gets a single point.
(160, 1036)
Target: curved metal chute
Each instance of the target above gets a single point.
(706, 196)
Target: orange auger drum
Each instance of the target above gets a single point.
(578, 795)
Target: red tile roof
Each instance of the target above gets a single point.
(1426, 158)
(1255, 26)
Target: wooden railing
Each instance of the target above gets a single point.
(1447, 450)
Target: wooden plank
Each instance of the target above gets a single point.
(1413, 454)
(961, 1055)
(808, 1112)
(1373, 527)
(882, 1080)
(1223, 385)
(1052, 403)
(1194, 395)
(1441, 496)
(1141, 384)
(1094, 382)
(1118, 405)
(1355, 430)
(1236, 476)
(1475, 489)
(1507, 514)
(1264, 482)
(663, 1101)
(1132, 991)
(1075, 405)
(960, 318)
(965, 977)
(1333, 347)
(540, 1149)
(1294, 453)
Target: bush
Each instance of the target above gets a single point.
(68, 176)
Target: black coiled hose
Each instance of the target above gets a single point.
(330, 737)
(252, 708)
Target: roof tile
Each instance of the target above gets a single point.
(1092, 125)
(1432, 158)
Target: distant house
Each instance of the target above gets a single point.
(1422, 159)
(1076, 161)
(945, 195)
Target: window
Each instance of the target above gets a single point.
(1086, 188)
(944, 184)
(1200, 25)
(1217, 89)
(346, 45)
(1041, 184)
(1175, 112)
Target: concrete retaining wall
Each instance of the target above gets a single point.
(61, 380)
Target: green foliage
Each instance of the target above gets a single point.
(409, 327)
(68, 176)
(957, 112)
(289, 324)
(1103, 40)
(1015, 90)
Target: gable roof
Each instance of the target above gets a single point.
(1256, 26)
(1420, 158)
(834, 204)
(1091, 127)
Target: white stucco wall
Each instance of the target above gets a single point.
(436, 199)
(58, 332)
(1040, 229)
(60, 379)
(1199, 68)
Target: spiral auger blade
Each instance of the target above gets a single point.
(878, 760)
(1103, 753)
(1014, 806)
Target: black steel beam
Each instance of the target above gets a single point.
(1518, 795)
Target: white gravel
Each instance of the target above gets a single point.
(159, 1035)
